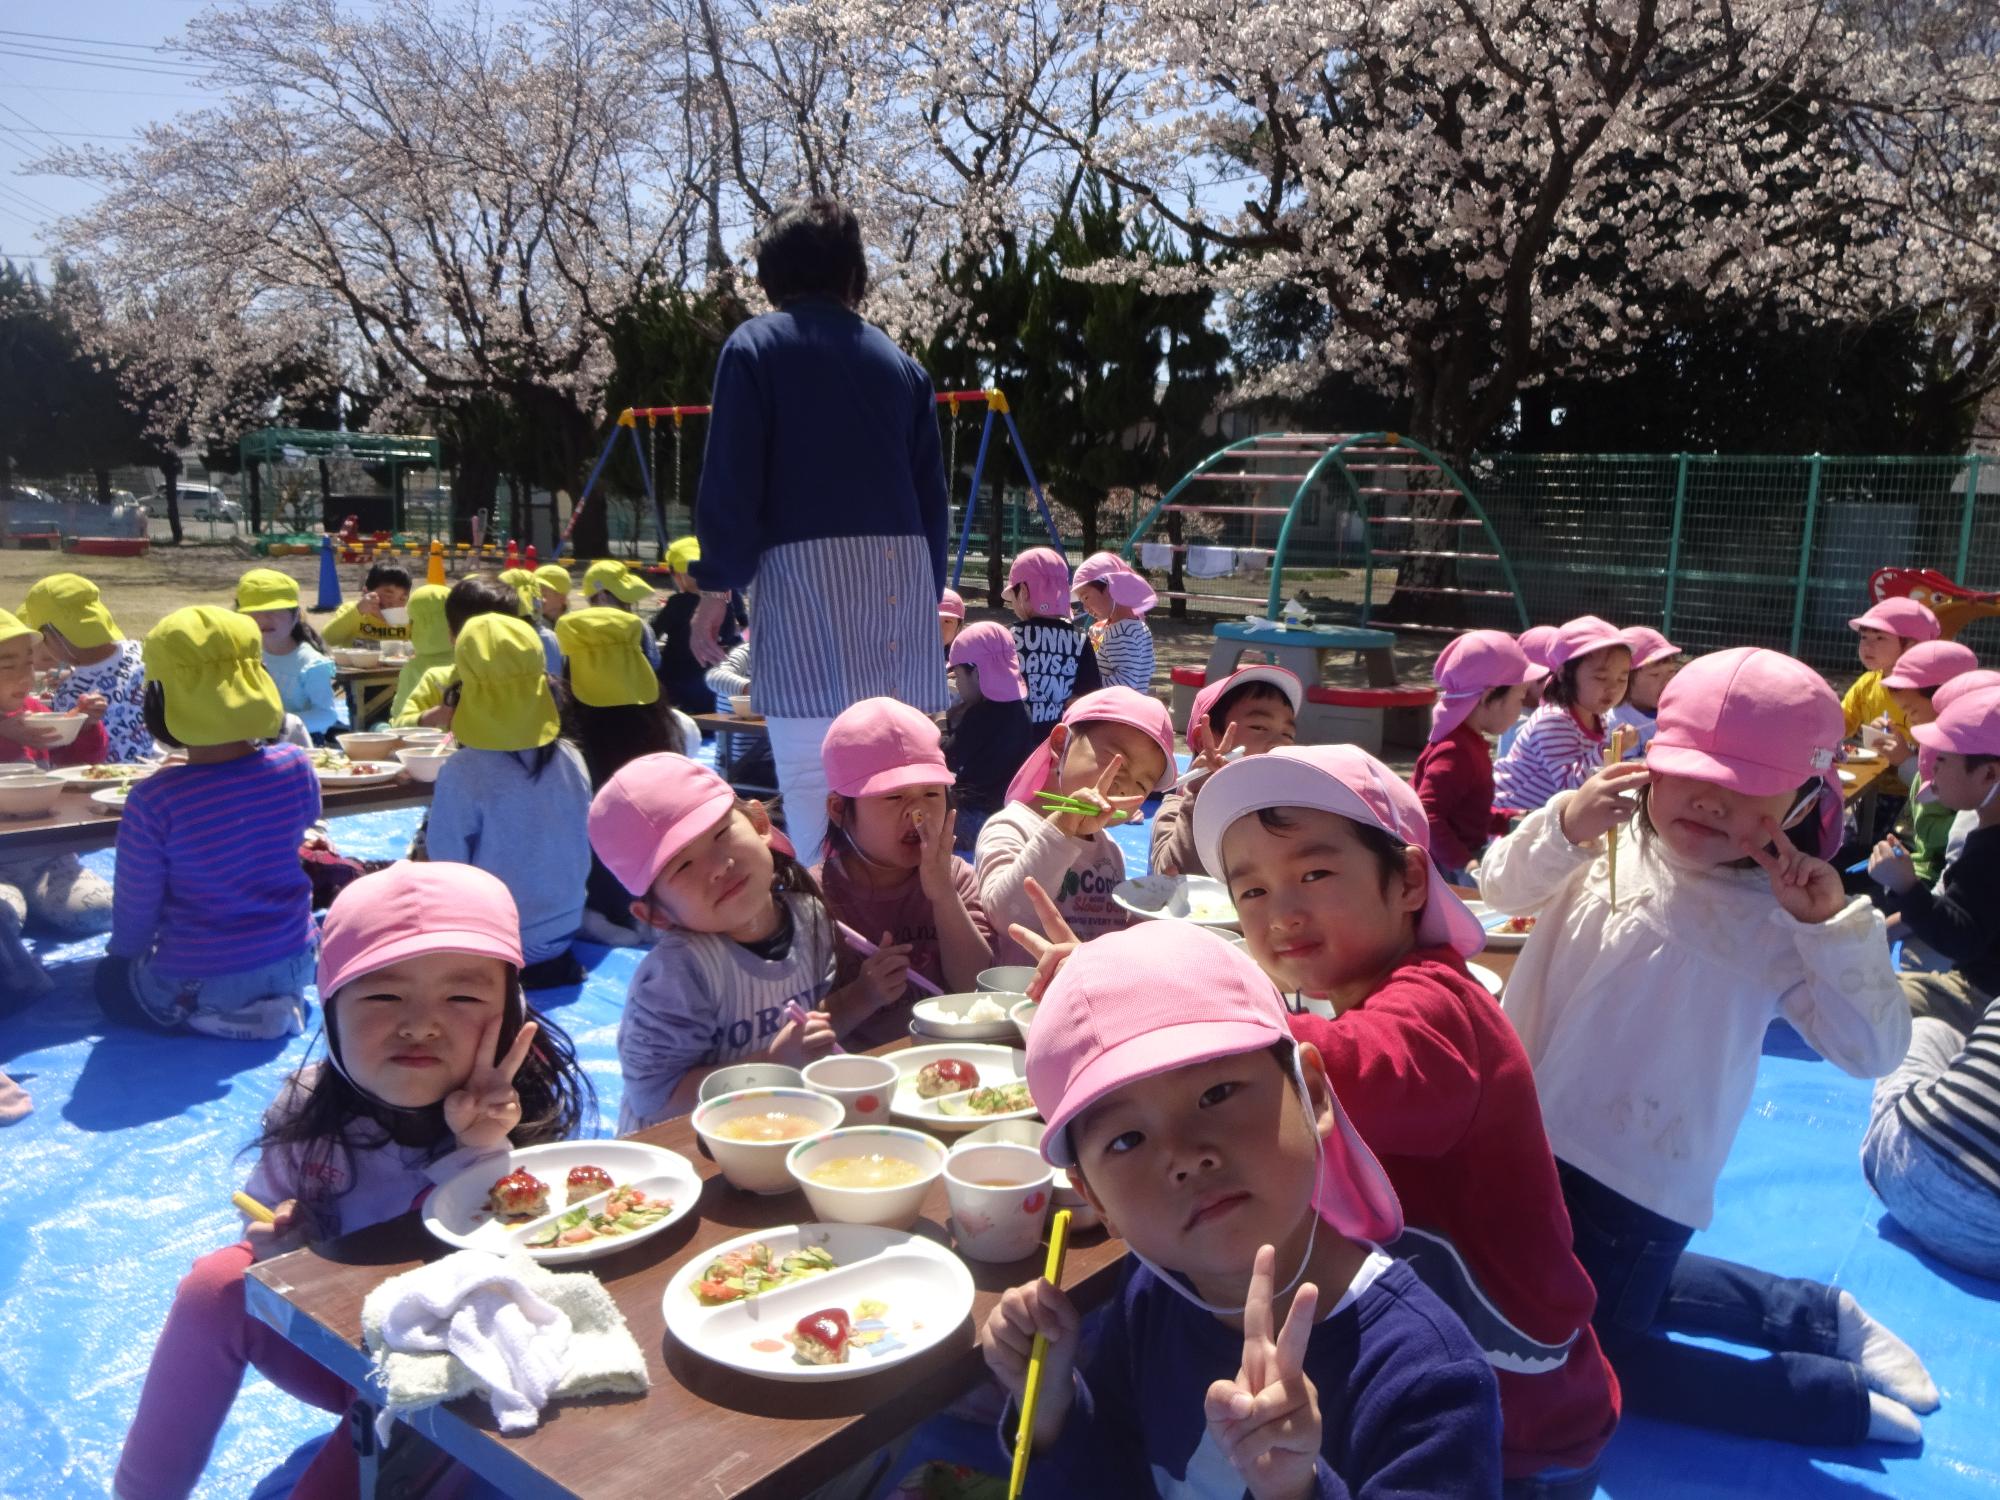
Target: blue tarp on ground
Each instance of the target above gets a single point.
(123, 1175)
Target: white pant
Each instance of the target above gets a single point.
(795, 750)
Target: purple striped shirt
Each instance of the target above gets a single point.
(208, 879)
(1552, 753)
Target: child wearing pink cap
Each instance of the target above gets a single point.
(1534, 643)
(1116, 598)
(889, 867)
(1113, 749)
(1563, 740)
(1252, 711)
(1655, 659)
(1482, 679)
(1324, 849)
(1913, 684)
(987, 733)
(1956, 919)
(435, 1064)
(951, 616)
(1216, 1147)
(1057, 660)
(1883, 634)
(1644, 1021)
(746, 948)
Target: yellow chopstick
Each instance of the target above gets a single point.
(253, 1208)
(1614, 752)
(1024, 1435)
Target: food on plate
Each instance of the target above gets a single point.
(1517, 924)
(982, 1010)
(1210, 906)
(1004, 1100)
(773, 1125)
(586, 1181)
(821, 1338)
(114, 772)
(331, 761)
(518, 1196)
(871, 1171)
(754, 1268)
(946, 1076)
(626, 1211)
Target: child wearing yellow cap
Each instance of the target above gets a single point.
(618, 715)
(292, 654)
(553, 583)
(106, 674)
(430, 643)
(684, 677)
(609, 584)
(515, 797)
(528, 588)
(430, 700)
(212, 926)
(382, 613)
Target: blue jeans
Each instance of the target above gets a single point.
(1946, 1209)
(1553, 1484)
(256, 1004)
(1647, 1284)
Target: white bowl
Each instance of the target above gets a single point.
(1029, 1133)
(1200, 899)
(29, 796)
(891, 1207)
(68, 725)
(749, 1076)
(362, 659)
(1023, 1016)
(739, 704)
(1008, 979)
(863, 1085)
(759, 1166)
(425, 763)
(368, 745)
(419, 739)
(944, 1017)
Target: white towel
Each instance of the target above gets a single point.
(1156, 556)
(505, 1328)
(1211, 562)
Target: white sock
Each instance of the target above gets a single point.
(1889, 1421)
(1887, 1363)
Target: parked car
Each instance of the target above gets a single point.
(204, 501)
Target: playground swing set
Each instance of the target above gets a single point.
(646, 452)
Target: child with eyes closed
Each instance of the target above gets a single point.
(435, 1063)
(744, 964)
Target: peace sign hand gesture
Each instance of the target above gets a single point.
(1808, 888)
(1049, 952)
(1100, 798)
(1266, 1421)
(486, 1108)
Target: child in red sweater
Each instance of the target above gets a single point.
(1482, 679)
(1324, 849)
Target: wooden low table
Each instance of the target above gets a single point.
(733, 734)
(1865, 790)
(371, 691)
(702, 1431)
(1303, 650)
(78, 824)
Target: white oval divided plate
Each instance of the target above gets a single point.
(925, 1289)
(942, 1017)
(996, 1065)
(363, 773)
(82, 778)
(1186, 898)
(1495, 923)
(112, 797)
(457, 1212)
(1487, 977)
(1847, 776)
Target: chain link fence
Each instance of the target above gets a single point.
(1727, 550)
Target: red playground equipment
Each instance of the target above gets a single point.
(1955, 605)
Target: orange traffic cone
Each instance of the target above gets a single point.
(435, 572)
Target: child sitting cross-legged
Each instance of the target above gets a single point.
(512, 799)
(889, 867)
(435, 1065)
(987, 732)
(1482, 679)
(1643, 1000)
(1252, 711)
(746, 948)
(1261, 1342)
(1112, 750)
(212, 926)
(1324, 850)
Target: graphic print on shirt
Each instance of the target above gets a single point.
(1049, 656)
(1438, 1265)
(726, 1043)
(1085, 899)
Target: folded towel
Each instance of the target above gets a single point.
(1156, 555)
(1211, 562)
(502, 1327)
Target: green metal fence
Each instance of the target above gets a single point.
(1726, 550)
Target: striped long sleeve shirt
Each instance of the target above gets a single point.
(1125, 654)
(209, 880)
(1553, 753)
(1958, 1112)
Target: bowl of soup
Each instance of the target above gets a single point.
(868, 1174)
(750, 1132)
